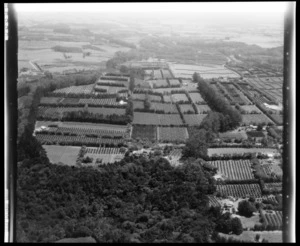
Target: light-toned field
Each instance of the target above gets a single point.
(86, 89)
(172, 134)
(179, 97)
(250, 119)
(41, 52)
(250, 108)
(106, 155)
(203, 109)
(239, 190)
(196, 97)
(194, 119)
(222, 151)
(141, 118)
(249, 236)
(166, 107)
(184, 108)
(62, 154)
(84, 125)
(248, 222)
(234, 169)
(207, 72)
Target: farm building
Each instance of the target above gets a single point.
(232, 136)
(256, 136)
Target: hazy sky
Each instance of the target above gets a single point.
(196, 7)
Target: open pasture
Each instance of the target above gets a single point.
(165, 107)
(140, 118)
(255, 119)
(157, 74)
(179, 97)
(186, 108)
(144, 132)
(62, 154)
(69, 101)
(138, 105)
(50, 100)
(225, 151)
(166, 74)
(239, 190)
(203, 109)
(196, 97)
(194, 119)
(167, 98)
(142, 97)
(207, 72)
(174, 82)
(86, 89)
(108, 89)
(248, 109)
(159, 83)
(249, 236)
(170, 120)
(234, 170)
(172, 134)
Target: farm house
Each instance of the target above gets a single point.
(256, 136)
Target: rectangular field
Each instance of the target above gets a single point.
(99, 101)
(86, 89)
(194, 119)
(254, 119)
(234, 170)
(186, 108)
(196, 97)
(50, 100)
(140, 118)
(159, 83)
(103, 155)
(172, 134)
(166, 74)
(167, 98)
(144, 132)
(179, 97)
(174, 82)
(224, 151)
(165, 107)
(138, 105)
(203, 109)
(239, 190)
(249, 236)
(248, 109)
(62, 154)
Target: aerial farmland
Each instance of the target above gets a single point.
(140, 129)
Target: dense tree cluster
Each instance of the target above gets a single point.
(85, 116)
(136, 200)
(229, 118)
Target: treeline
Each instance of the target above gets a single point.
(228, 118)
(85, 116)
